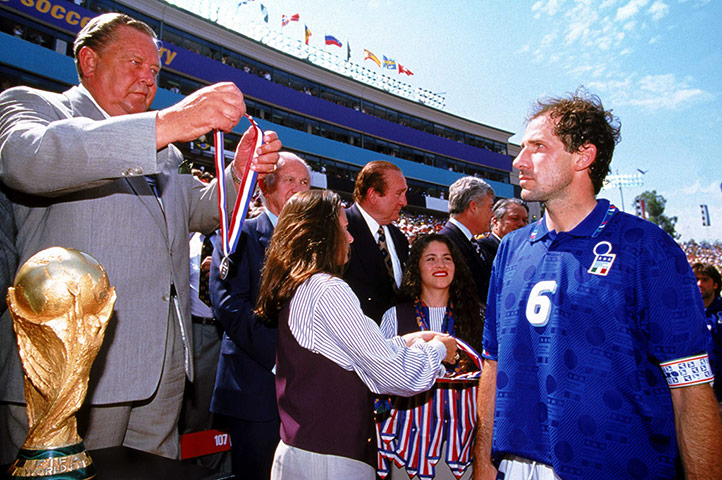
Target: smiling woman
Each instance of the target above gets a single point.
(440, 297)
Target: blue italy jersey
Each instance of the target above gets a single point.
(578, 322)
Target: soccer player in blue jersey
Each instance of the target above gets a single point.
(595, 342)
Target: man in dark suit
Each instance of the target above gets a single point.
(94, 170)
(509, 214)
(379, 249)
(470, 201)
(245, 385)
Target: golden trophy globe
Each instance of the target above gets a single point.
(60, 303)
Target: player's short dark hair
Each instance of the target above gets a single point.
(709, 270)
(580, 120)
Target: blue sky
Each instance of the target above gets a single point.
(656, 63)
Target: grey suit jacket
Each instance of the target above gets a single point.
(76, 180)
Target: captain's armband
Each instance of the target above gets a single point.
(687, 371)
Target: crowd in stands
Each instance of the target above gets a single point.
(414, 224)
(704, 252)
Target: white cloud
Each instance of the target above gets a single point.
(651, 93)
(550, 7)
(696, 187)
(548, 39)
(658, 10)
(631, 9)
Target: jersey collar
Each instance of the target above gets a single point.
(591, 226)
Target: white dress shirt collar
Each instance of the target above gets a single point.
(370, 222)
(273, 218)
(462, 227)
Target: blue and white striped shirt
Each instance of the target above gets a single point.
(326, 318)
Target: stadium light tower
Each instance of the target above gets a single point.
(624, 181)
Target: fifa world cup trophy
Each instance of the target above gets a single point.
(60, 303)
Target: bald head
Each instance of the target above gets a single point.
(291, 176)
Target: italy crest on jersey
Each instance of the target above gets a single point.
(603, 259)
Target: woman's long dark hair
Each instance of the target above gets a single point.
(468, 317)
(307, 240)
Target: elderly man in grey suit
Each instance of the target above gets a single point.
(92, 169)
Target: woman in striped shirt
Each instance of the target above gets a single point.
(330, 356)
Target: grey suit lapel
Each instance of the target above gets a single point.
(82, 106)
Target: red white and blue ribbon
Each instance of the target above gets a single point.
(231, 233)
(412, 436)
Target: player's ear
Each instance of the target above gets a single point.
(586, 155)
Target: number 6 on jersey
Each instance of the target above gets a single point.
(539, 305)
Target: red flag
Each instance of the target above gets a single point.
(285, 19)
(405, 70)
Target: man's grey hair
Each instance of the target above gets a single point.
(102, 30)
(502, 206)
(466, 189)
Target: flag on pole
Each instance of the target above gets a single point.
(405, 70)
(307, 33)
(705, 215)
(286, 19)
(390, 64)
(331, 40)
(348, 51)
(264, 12)
(370, 56)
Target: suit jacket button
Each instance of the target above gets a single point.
(165, 297)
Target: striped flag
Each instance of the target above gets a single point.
(370, 56)
(331, 40)
(307, 33)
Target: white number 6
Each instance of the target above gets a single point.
(539, 306)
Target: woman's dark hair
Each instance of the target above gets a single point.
(307, 240)
(468, 318)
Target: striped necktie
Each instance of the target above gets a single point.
(383, 246)
(203, 291)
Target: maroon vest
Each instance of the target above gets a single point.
(406, 318)
(323, 408)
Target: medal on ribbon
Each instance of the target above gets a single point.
(231, 232)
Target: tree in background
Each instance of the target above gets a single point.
(654, 205)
